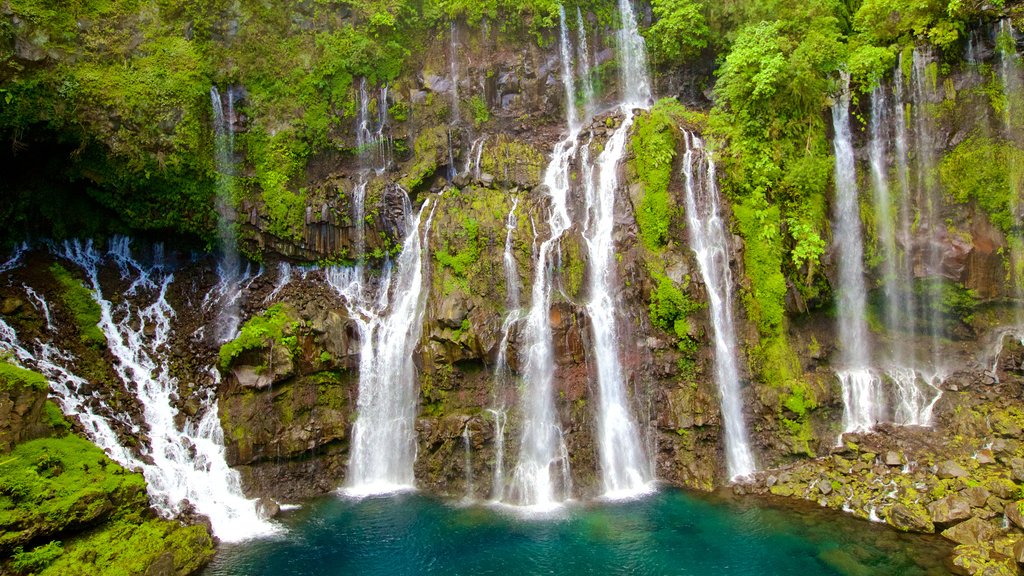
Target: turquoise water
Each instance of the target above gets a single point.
(671, 532)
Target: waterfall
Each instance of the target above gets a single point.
(389, 323)
(568, 79)
(541, 476)
(183, 464)
(453, 70)
(69, 390)
(625, 469)
(583, 61)
(710, 242)
(862, 395)
(467, 461)
(928, 195)
(913, 393)
(229, 265)
(636, 83)
(498, 483)
(15, 259)
(1009, 62)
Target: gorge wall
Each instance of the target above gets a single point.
(332, 158)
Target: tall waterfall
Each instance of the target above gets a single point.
(913, 392)
(583, 61)
(389, 324)
(863, 401)
(541, 476)
(186, 463)
(625, 469)
(710, 242)
(1013, 84)
(229, 266)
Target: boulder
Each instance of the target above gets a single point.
(973, 531)
(267, 508)
(1018, 552)
(893, 458)
(971, 560)
(949, 510)
(1017, 469)
(909, 518)
(1014, 514)
(977, 496)
(985, 457)
(950, 469)
(824, 486)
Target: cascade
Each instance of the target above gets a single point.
(15, 260)
(389, 323)
(183, 464)
(229, 264)
(453, 70)
(69, 390)
(583, 61)
(467, 461)
(862, 396)
(541, 476)
(914, 393)
(40, 304)
(928, 196)
(1009, 72)
(625, 469)
(710, 242)
(498, 483)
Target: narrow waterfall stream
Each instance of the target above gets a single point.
(710, 242)
(230, 264)
(389, 322)
(541, 476)
(863, 400)
(625, 469)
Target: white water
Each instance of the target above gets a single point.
(389, 322)
(187, 464)
(541, 478)
(453, 71)
(15, 259)
(625, 468)
(863, 400)
(467, 463)
(69, 391)
(373, 145)
(40, 304)
(710, 242)
(498, 483)
(229, 266)
(583, 62)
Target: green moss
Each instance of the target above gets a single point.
(274, 325)
(989, 173)
(430, 151)
(512, 162)
(54, 417)
(481, 114)
(461, 261)
(84, 309)
(759, 225)
(654, 148)
(36, 560)
(13, 377)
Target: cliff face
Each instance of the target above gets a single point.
(470, 129)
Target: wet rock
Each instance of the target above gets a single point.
(950, 469)
(973, 560)
(977, 496)
(825, 487)
(1014, 514)
(985, 457)
(973, 531)
(949, 510)
(1017, 469)
(267, 508)
(893, 458)
(1018, 552)
(909, 518)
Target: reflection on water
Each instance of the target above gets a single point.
(671, 532)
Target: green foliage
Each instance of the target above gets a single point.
(430, 151)
(899, 21)
(54, 417)
(37, 559)
(955, 302)
(669, 310)
(765, 300)
(654, 148)
(276, 324)
(480, 112)
(84, 309)
(679, 31)
(462, 261)
(989, 173)
(14, 377)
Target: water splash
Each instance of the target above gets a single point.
(710, 242)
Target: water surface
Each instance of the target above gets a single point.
(671, 532)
